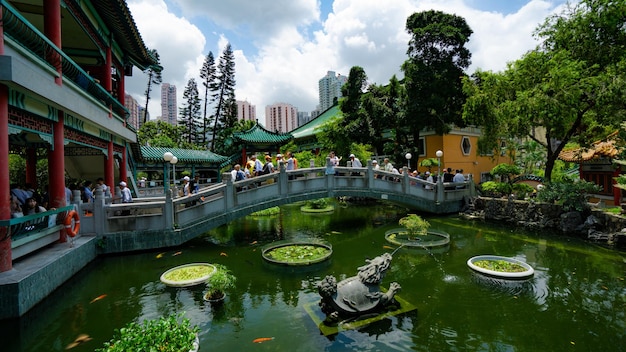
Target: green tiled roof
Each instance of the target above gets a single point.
(309, 128)
(155, 154)
(260, 136)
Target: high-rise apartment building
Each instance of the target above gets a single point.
(133, 108)
(169, 108)
(246, 111)
(330, 89)
(281, 117)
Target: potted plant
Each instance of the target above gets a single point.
(173, 333)
(221, 280)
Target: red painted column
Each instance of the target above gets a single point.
(244, 159)
(31, 167)
(56, 168)
(617, 192)
(124, 167)
(109, 172)
(5, 207)
(121, 95)
(52, 30)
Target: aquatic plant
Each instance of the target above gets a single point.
(219, 282)
(415, 225)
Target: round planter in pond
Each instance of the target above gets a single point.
(500, 267)
(432, 239)
(308, 209)
(297, 254)
(188, 274)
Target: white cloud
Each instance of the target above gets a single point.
(285, 48)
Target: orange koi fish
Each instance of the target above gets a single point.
(160, 255)
(262, 339)
(253, 243)
(223, 254)
(388, 247)
(98, 298)
(80, 339)
(177, 253)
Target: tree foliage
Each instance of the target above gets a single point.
(154, 77)
(190, 113)
(434, 71)
(561, 92)
(162, 134)
(207, 73)
(223, 96)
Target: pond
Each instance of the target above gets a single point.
(576, 299)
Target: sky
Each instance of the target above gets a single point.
(283, 47)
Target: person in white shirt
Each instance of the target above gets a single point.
(355, 163)
(429, 178)
(127, 197)
(458, 177)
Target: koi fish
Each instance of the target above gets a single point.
(388, 247)
(262, 339)
(160, 255)
(335, 232)
(253, 243)
(223, 254)
(98, 298)
(80, 339)
(177, 253)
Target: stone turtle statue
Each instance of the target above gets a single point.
(358, 295)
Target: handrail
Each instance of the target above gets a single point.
(18, 28)
(14, 225)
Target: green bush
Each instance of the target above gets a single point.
(505, 170)
(415, 225)
(521, 190)
(321, 203)
(167, 334)
(572, 195)
(495, 189)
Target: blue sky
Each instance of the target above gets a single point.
(283, 47)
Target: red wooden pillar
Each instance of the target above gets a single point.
(109, 174)
(56, 168)
(52, 30)
(107, 82)
(31, 167)
(124, 167)
(244, 158)
(617, 192)
(5, 206)
(121, 95)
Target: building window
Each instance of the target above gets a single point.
(466, 146)
(421, 147)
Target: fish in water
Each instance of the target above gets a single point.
(80, 339)
(177, 253)
(223, 254)
(335, 232)
(262, 339)
(160, 255)
(253, 243)
(98, 298)
(388, 247)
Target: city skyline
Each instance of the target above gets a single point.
(281, 60)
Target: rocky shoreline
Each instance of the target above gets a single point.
(594, 225)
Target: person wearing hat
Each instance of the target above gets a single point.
(355, 163)
(429, 178)
(186, 185)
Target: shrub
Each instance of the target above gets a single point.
(505, 171)
(495, 189)
(220, 281)
(414, 225)
(168, 334)
(321, 203)
(521, 190)
(572, 195)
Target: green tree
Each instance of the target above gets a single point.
(162, 134)
(190, 113)
(554, 95)
(223, 96)
(434, 71)
(207, 73)
(154, 77)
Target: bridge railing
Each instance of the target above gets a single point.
(219, 201)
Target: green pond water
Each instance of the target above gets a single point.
(576, 300)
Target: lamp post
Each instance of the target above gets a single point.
(439, 154)
(408, 157)
(173, 162)
(167, 156)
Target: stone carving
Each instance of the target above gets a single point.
(358, 295)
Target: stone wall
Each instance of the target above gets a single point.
(593, 225)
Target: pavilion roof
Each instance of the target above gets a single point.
(259, 136)
(310, 128)
(607, 149)
(191, 156)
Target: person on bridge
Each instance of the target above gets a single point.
(355, 163)
(258, 166)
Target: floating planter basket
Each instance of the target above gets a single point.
(307, 209)
(432, 239)
(500, 267)
(188, 274)
(297, 253)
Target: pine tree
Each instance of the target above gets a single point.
(207, 73)
(223, 89)
(154, 77)
(190, 112)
